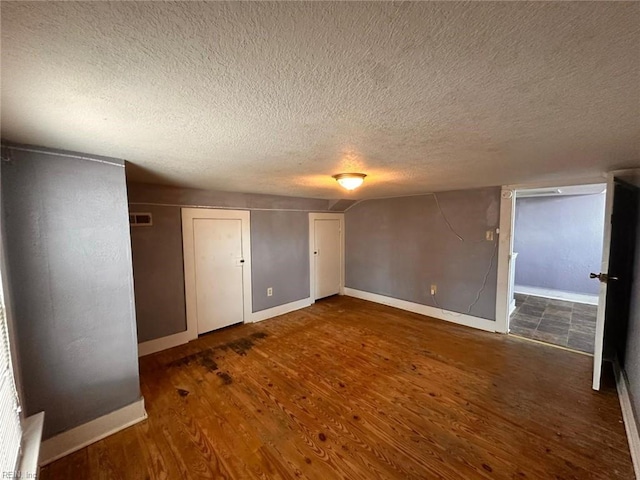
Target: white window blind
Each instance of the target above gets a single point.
(11, 431)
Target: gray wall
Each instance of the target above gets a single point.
(632, 353)
(6, 294)
(69, 267)
(158, 273)
(160, 194)
(398, 247)
(559, 242)
(279, 251)
(279, 257)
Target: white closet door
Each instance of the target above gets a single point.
(327, 248)
(219, 268)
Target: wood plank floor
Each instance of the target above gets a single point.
(351, 389)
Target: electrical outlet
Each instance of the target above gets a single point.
(489, 236)
(434, 289)
(269, 292)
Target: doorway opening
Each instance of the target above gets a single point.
(618, 309)
(557, 244)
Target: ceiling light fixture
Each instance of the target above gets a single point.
(350, 181)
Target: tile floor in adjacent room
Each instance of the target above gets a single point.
(567, 324)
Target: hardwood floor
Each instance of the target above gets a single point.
(351, 389)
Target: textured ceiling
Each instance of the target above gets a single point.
(276, 97)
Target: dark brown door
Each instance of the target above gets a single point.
(624, 225)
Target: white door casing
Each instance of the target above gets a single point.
(326, 254)
(505, 249)
(217, 267)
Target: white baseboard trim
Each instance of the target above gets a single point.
(79, 437)
(512, 306)
(280, 310)
(556, 294)
(163, 343)
(31, 443)
(630, 423)
(459, 318)
(170, 341)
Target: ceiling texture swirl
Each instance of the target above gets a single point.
(276, 98)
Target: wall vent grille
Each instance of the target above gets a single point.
(140, 219)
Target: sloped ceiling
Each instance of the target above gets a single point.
(276, 97)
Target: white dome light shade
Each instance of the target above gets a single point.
(350, 181)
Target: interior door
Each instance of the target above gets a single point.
(616, 274)
(621, 263)
(219, 267)
(327, 254)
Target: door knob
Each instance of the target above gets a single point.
(603, 277)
